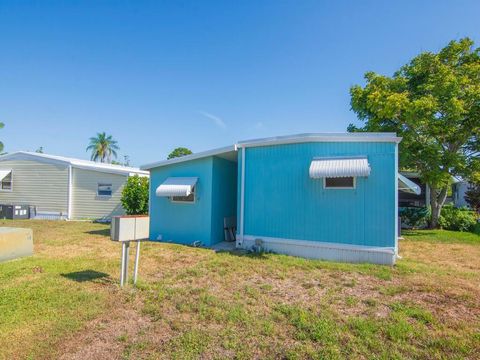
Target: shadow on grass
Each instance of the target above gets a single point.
(86, 275)
(246, 254)
(417, 233)
(102, 232)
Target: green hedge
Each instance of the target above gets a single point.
(451, 218)
(458, 219)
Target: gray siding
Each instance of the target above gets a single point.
(86, 203)
(37, 183)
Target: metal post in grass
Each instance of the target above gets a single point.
(122, 266)
(137, 259)
(127, 255)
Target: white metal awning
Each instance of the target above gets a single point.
(176, 186)
(406, 185)
(339, 167)
(4, 173)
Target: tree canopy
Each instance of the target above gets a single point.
(179, 151)
(103, 147)
(433, 102)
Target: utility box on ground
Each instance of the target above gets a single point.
(15, 243)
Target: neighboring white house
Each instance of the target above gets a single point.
(63, 188)
(459, 189)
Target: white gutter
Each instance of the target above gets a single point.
(193, 156)
(242, 200)
(396, 174)
(70, 193)
(325, 137)
(149, 204)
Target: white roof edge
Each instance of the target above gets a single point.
(194, 156)
(77, 163)
(289, 139)
(410, 184)
(322, 137)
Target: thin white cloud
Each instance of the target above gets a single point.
(259, 125)
(216, 120)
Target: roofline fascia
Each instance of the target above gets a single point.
(327, 137)
(194, 156)
(109, 171)
(51, 160)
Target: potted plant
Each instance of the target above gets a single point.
(135, 224)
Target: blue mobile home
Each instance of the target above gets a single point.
(327, 196)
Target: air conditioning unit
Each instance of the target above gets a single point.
(9, 211)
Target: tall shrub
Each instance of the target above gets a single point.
(457, 219)
(135, 195)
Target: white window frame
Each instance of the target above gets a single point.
(186, 202)
(11, 182)
(340, 187)
(104, 184)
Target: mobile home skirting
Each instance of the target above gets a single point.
(322, 250)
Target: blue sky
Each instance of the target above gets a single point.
(200, 74)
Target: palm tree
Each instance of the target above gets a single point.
(103, 147)
(1, 143)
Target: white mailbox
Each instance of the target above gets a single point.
(125, 229)
(129, 228)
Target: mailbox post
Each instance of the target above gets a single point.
(125, 229)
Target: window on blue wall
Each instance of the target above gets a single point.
(339, 183)
(185, 199)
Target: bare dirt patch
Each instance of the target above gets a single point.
(107, 336)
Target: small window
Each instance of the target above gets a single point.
(185, 199)
(104, 190)
(7, 182)
(339, 183)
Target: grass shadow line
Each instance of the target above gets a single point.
(102, 232)
(85, 275)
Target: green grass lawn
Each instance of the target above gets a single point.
(64, 302)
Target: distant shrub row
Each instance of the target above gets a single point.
(451, 218)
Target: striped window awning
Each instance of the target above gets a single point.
(176, 186)
(4, 173)
(406, 185)
(339, 167)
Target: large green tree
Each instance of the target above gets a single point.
(103, 147)
(433, 102)
(179, 151)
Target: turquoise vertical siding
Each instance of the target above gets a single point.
(224, 195)
(282, 201)
(183, 223)
(202, 221)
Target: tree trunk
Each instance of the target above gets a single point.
(437, 200)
